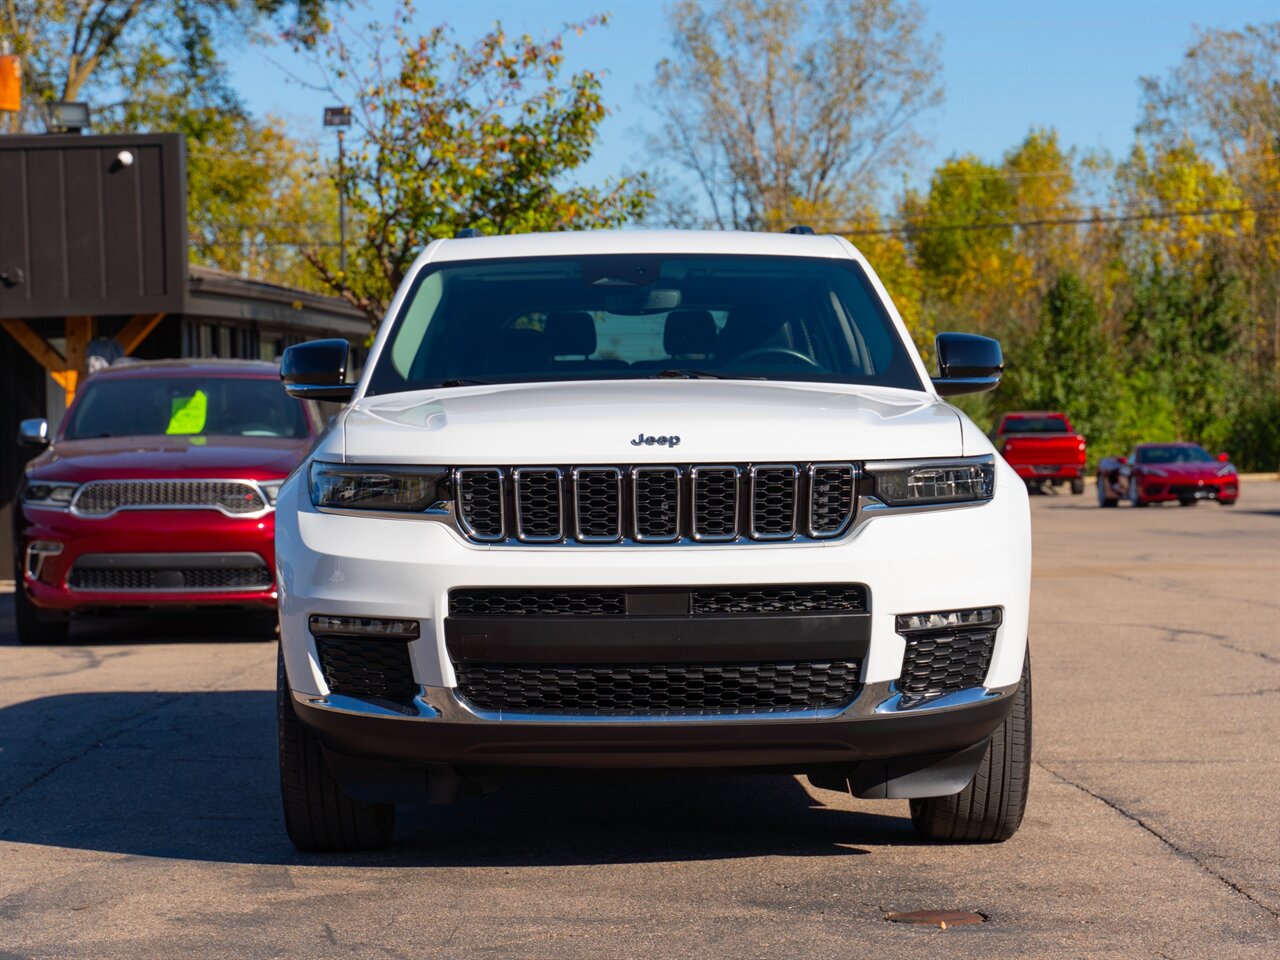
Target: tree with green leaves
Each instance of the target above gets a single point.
(79, 49)
(451, 136)
(787, 112)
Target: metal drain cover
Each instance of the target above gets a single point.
(937, 918)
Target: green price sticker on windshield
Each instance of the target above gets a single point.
(188, 414)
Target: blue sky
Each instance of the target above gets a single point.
(1007, 66)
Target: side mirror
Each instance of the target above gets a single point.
(1223, 458)
(967, 363)
(317, 370)
(34, 432)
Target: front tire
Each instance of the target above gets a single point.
(990, 808)
(35, 628)
(319, 815)
(1135, 495)
(1103, 499)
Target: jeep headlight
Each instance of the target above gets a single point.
(367, 487)
(905, 483)
(49, 494)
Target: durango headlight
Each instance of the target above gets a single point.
(905, 483)
(271, 490)
(49, 494)
(368, 487)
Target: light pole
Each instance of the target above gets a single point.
(340, 117)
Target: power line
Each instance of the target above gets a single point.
(1058, 221)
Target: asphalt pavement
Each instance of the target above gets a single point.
(139, 814)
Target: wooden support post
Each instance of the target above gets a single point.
(79, 333)
(136, 330)
(35, 345)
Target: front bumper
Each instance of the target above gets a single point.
(1160, 489)
(441, 729)
(1042, 471)
(911, 562)
(200, 534)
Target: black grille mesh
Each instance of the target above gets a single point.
(942, 661)
(97, 578)
(659, 689)
(598, 504)
(657, 493)
(104, 496)
(480, 502)
(831, 502)
(724, 600)
(773, 502)
(538, 504)
(715, 499)
(541, 603)
(367, 668)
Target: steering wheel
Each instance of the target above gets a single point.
(784, 353)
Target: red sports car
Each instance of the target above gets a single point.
(1159, 472)
(158, 490)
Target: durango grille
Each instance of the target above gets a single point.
(702, 503)
(168, 572)
(646, 689)
(101, 497)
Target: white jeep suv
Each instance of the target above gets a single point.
(650, 500)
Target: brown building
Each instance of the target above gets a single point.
(93, 265)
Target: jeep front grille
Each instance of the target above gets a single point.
(659, 689)
(698, 503)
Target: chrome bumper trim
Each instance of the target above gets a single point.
(443, 703)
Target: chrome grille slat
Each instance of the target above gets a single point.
(774, 498)
(539, 504)
(656, 503)
(482, 502)
(102, 497)
(655, 493)
(597, 504)
(832, 488)
(715, 503)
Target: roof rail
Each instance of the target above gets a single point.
(466, 233)
(801, 229)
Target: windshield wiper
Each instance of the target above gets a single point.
(686, 374)
(462, 382)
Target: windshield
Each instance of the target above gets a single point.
(1035, 425)
(625, 317)
(1179, 454)
(204, 406)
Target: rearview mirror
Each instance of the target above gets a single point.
(34, 432)
(967, 363)
(317, 370)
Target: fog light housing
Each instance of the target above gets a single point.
(37, 552)
(948, 620)
(366, 628)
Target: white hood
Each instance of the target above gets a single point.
(716, 421)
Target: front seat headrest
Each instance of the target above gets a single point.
(689, 332)
(571, 333)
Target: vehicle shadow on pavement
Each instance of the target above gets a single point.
(192, 775)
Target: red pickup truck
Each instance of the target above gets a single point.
(1042, 448)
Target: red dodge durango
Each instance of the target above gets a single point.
(159, 489)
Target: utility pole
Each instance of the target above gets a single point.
(340, 118)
